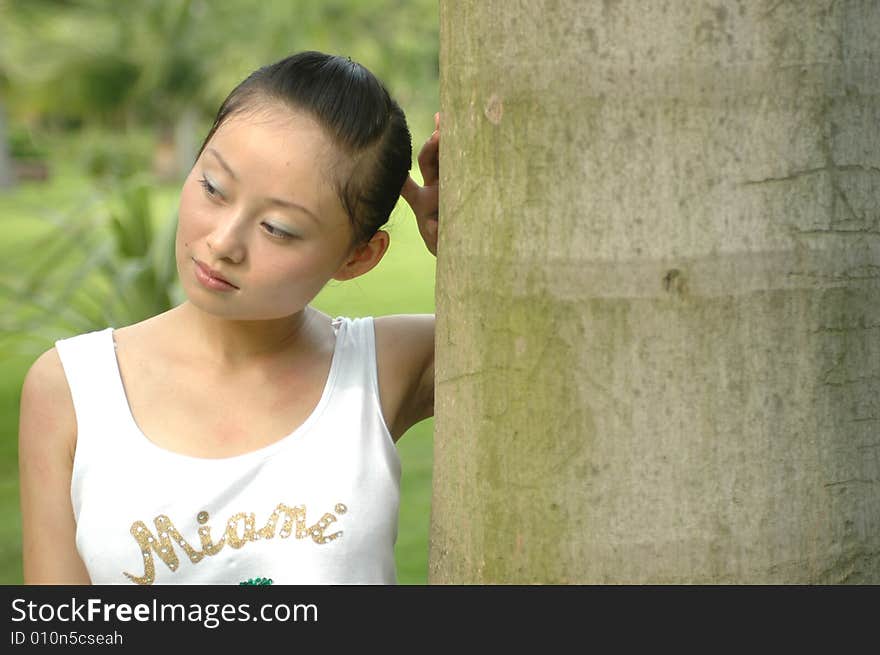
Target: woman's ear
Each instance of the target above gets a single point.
(364, 257)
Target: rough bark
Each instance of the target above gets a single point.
(658, 293)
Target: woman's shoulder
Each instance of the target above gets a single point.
(46, 409)
(408, 330)
(149, 328)
(153, 339)
(46, 372)
(405, 346)
(78, 354)
(398, 337)
(46, 380)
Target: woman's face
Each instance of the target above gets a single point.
(258, 209)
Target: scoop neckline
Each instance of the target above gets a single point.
(260, 453)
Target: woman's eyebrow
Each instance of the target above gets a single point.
(275, 201)
(287, 203)
(223, 164)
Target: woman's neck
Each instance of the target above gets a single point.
(231, 344)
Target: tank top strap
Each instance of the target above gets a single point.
(358, 374)
(358, 353)
(89, 362)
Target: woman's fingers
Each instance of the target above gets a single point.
(429, 160)
(424, 199)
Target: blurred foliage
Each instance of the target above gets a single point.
(24, 145)
(106, 267)
(79, 62)
(106, 157)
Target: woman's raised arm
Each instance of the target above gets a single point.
(405, 343)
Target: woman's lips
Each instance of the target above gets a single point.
(211, 279)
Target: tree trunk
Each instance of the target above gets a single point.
(186, 140)
(658, 293)
(7, 173)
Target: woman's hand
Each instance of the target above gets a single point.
(425, 200)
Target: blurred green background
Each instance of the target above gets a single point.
(102, 108)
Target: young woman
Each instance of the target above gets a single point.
(243, 435)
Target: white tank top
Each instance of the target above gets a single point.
(319, 506)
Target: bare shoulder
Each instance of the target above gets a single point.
(46, 369)
(150, 336)
(405, 362)
(47, 411)
(412, 331)
(47, 440)
(405, 342)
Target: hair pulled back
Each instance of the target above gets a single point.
(359, 115)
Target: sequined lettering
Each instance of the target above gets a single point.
(240, 530)
(162, 545)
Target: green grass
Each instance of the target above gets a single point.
(402, 283)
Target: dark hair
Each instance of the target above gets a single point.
(359, 115)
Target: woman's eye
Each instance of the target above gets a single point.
(210, 189)
(275, 232)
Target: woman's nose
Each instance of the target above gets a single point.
(227, 239)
